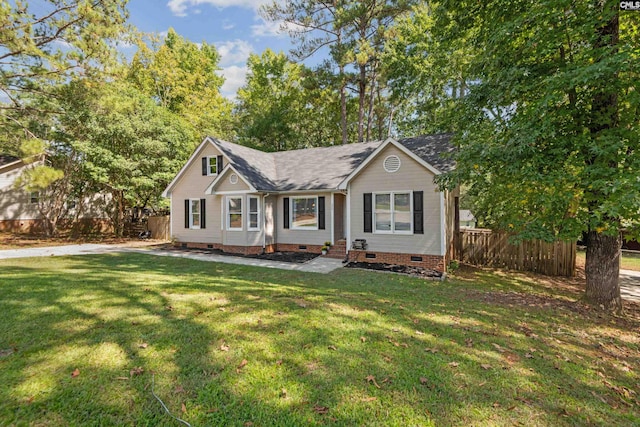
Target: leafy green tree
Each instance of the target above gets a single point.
(549, 133)
(51, 42)
(181, 76)
(285, 105)
(129, 146)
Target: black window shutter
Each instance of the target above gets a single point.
(418, 213)
(286, 212)
(203, 213)
(368, 213)
(219, 164)
(321, 213)
(204, 166)
(186, 213)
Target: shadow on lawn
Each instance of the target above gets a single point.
(310, 343)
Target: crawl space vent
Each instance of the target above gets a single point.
(391, 164)
(233, 178)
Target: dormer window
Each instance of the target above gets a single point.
(211, 165)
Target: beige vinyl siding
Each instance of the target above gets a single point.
(242, 237)
(191, 186)
(270, 219)
(303, 237)
(411, 176)
(225, 184)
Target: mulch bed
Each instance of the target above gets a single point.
(292, 257)
(394, 268)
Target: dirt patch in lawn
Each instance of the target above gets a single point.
(19, 241)
(394, 268)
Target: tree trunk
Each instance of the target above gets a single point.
(602, 270)
(343, 105)
(362, 94)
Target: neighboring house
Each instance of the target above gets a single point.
(19, 208)
(467, 220)
(241, 200)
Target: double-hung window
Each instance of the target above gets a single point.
(194, 213)
(212, 165)
(234, 213)
(304, 213)
(392, 212)
(254, 214)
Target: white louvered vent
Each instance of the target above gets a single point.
(233, 178)
(391, 164)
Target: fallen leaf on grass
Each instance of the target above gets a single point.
(143, 345)
(283, 393)
(496, 405)
(369, 399)
(419, 333)
(423, 380)
(431, 350)
(248, 424)
(528, 356)
(279, 362)
(179, 389)
(224, 347)
(485, 366)
(75, 373)
(184, 408)
(387, 359)
(453, 364)
(363, 339)
(123, 378)
(169, 308)
(241, 365)
(136, 371)
(320, 409)
(469, 342)
(372, 379)
(332, 347)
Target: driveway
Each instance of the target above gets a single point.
(630, 285)
(316, 265)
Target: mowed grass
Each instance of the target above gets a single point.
(628, 261)
(82, 339)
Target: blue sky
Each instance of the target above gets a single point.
(233, 26)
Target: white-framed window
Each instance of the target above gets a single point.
(34, 197)
(212, 165)
(304, 213)
(254, 213)
(392, 212)
(194, 213)
(234, 213)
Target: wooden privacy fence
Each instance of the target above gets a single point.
(159, 227)
(492, 249)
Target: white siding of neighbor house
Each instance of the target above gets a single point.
(192, 185)
(411, 176)
(15, 203)
(303, 237)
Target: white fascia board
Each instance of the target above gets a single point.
(195, 155)
(222, 175)
(443, 226)
(385, 144)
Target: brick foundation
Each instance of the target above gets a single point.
(433, 262)
(36, 226)
(295, 247)
(241, 250)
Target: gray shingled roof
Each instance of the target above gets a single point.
(433, 149)
(323, 167)
(5, 159)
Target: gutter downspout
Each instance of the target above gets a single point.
(264, 222)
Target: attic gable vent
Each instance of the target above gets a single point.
(391, 163)
(233, 178)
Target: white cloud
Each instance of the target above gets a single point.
(227, 25)
(233, 52)
(272, 29)
(179, 7)
(235, 77)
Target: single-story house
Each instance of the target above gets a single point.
(374, 201)
(19, 209)
(467, 220)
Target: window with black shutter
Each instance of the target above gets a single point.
(285, 206)
(321, 215)
(418, 213)
(203, 215)
(368, 213)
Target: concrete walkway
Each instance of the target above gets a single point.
(316, 265)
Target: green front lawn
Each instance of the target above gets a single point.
(628, 261)
(82, 337)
